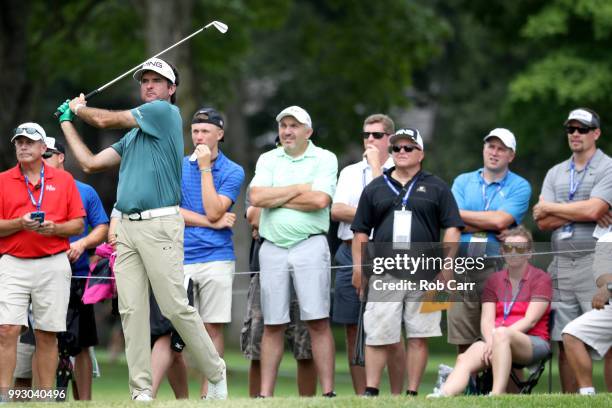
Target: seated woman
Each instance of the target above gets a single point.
(514, 320)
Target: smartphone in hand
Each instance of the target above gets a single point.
(38, 215)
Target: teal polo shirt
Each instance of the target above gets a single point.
(319, 167)
(151, 154)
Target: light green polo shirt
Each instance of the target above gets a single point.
(287, 227)
(151, 156)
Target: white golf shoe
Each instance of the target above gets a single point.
(218, 391)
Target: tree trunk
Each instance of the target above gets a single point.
(166, 23)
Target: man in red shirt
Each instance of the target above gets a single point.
(40, 207)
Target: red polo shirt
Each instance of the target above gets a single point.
(61, 202)
(536, 285)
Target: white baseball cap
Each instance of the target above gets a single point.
(30, 130)
(156, 65)
(298, 113)
(408, 134)
(506, 136)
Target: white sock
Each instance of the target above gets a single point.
(586, 391)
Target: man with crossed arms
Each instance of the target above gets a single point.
(294, 185)
(576, 194)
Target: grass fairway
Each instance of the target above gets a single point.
(520, 401)
(112, 390)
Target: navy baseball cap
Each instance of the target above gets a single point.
(208, 115)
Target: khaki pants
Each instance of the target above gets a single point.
(152, 251)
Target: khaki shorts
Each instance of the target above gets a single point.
(383, 322)
(212, 289)
(463, 322)
(593, 329)
(46, 281)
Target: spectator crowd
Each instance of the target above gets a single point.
(170, 232)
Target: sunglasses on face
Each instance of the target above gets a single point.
(406, 148)
(375, 135)
(582, 130)
(519, 249)
(49, 153)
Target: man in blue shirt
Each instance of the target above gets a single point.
(491, 200)
(81, 319)
(210, 186)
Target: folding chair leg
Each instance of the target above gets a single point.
(552, 355)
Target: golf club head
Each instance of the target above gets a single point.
(222, 27)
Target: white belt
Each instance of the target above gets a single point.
(153, 213)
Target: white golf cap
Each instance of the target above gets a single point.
(156, 65)
(298, 113)
(506, 136)
(408, 134)
(50, 143)
(30, 130)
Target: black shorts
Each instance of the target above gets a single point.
(160, 326)
(81, 331)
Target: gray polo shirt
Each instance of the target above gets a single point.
(597, 182)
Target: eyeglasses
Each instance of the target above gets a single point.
(29, 131)
(582, 130)
(519, 249)
(375, 135)
(406, 148)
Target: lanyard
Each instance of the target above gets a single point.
(508, 306)
(397, 192)
(573, 185)
(42, 188)
(487, 202)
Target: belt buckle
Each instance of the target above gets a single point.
(135, 217)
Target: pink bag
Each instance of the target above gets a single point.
(101, 280)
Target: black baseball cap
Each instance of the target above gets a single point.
(208, 115)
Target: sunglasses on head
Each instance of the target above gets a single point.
(375, 135)
(582, 130)
(399, 148)
(519, 249)
(29, 131)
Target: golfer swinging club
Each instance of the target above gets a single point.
(150, 232)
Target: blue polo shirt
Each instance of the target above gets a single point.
(511, 195)
(207, 244)
(95, 215)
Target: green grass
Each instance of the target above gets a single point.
(111, 389)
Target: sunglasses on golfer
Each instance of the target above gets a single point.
(582, 130)
(399, 148)
(519, 249)
(375, 135)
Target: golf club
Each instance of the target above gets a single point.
(221, 27)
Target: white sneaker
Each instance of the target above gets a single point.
(143, 398)
(218, 391)
(437, 393)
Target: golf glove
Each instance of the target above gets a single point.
(66, 113)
